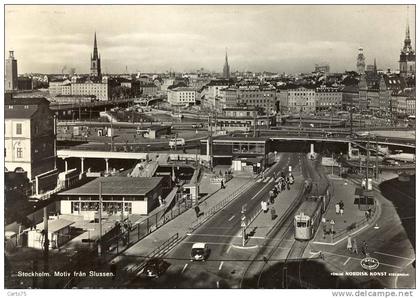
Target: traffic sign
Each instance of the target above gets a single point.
(332, 222)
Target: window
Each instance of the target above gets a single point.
(18, 128)
(19, 152)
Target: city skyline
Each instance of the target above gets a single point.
(194, 37)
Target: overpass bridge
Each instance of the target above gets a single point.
(106, 156)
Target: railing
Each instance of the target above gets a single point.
(131, 235)
(216, 208)
(159, 252)
(354, 226)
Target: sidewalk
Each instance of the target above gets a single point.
(182, 223)
(263, 224)
(342, 191)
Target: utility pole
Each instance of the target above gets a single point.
(255, 122)
(100, 220)
(211, 143)
(376, 159)
(268, 114)
(367, 163)
(46, 248)
(351, 117)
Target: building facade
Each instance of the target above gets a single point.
(126, 195)
(258, 97)
(301, 100)
(30, 141)
(11, 73)
(182, 96)
(328, 98)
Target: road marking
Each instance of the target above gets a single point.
(344, 256)
(381, 253)
(230, 246)
(185, 267)
(346, 261)
(233, 216)
(221, 265)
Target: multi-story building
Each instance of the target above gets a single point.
(241, 119)
(301, 100)
(376, 99)
(258, 96)
(143, 88)
(229, 97)
(211, 93)
(98, 88)
(30, 141)
(327, 98)
(11, 73)
(56, 87)
(182, 96)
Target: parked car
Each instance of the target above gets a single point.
(176, 142)
(154, 268)
(197, 125)
(199, 252)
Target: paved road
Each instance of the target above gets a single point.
(219, 232)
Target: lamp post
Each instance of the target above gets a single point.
(100, 220)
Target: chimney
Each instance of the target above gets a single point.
(11, 55)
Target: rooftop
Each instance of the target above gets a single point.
(135, 186)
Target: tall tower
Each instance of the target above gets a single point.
(408, 55)
(360, 62)
(375, 69)
(10, 73)
(226, 70)
(95, 61)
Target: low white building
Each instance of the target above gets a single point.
(182, 96)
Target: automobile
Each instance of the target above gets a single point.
(199, 251)
(197, 125)
(176, 142)
(154, 268)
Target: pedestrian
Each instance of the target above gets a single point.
(113, 269)
(341, 204)
(367, 215)
(324, 227)
(273, 214)
(355, 250)
(364, 252)
(369, 212)
(349, 243)
(222, 186)
(341, 211)
(337, 208)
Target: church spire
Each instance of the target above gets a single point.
(375, 70)
(95, 48)
(226, 70)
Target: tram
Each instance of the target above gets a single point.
(308, 217)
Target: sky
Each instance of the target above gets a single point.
(158, 38)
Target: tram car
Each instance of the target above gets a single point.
(308, 217)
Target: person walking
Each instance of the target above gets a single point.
(364, 246)
(341, 211)
(337, 208)
(349, 243)
(367, 215)
(355, 250)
